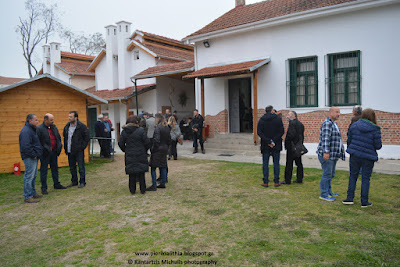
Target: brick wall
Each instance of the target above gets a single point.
(218, 123)
(390, 123)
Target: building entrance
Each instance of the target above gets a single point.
(240, 111)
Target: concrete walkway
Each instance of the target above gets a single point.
(310, 160)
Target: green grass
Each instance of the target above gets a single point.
(213, 207)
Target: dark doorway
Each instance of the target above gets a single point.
(240, 111)
(92, 118)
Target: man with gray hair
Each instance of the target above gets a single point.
(101, 132)
(31, 150)
(357, 110)
(294, 135)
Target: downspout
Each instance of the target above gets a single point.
(158, 60)
(137, 107)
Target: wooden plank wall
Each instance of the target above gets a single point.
(39, 97)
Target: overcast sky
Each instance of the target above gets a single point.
(171, 18)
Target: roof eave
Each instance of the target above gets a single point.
(291, 18)
(139, 77)
(92, 65)
(46, 75)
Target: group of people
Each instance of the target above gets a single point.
(159, 134)
(363, 140)
(103, 128)
(43, 143)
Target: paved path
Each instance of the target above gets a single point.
(309, 161)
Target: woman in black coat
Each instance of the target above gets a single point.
(159, 151)
(135, 143)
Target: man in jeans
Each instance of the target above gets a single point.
(197, 127)
(76, 139)
(270, 129)
(30, 150)
(330, 149)
(50, 140)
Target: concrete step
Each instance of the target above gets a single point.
(235, 146)
(234, 136)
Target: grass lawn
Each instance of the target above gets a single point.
(218, 208)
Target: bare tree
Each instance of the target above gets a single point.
(39, 24)
(83, 44)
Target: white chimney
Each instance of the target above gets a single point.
(55, 56)
(46, 58)
(111, 58)
(240, 3)
(124, 56)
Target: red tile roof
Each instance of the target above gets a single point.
(76, 56)
(10, 80)
(76, 64)
(119, 93)
(172, 53)
(229, 69)
(262, 11)
(155, 36)
(174, 68)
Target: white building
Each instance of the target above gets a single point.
(300, 56)
(154, 63)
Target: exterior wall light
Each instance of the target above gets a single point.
(206, 44)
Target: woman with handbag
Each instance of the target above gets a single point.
(363, 140)
(135, 143)
(175, 137)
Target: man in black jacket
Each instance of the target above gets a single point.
(294, 135)
(50, 140)
(197, 127)
(270, 129)
(76, 139)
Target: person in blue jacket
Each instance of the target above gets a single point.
(364, 138)
(30, 149)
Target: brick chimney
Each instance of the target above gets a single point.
(240, 3)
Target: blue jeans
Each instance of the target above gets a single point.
(356, 164)
(44, 164)
(31, 169)
(163, 175)
(275, 157)
(328, 172)
(72, 160)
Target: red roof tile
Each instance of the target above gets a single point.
(152, 35)
(180, 67)
(229, 69)
(76, 56)
(75, 67)
(166, 52)
(119, 93)
(262, 11)
(10, 80)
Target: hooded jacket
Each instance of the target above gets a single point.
(29, 144)
(161, 142)
(364, 138)
(270, 129)
(135, 143)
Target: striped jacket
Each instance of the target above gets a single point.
(330, 140)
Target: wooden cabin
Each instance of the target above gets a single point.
(39, 95)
